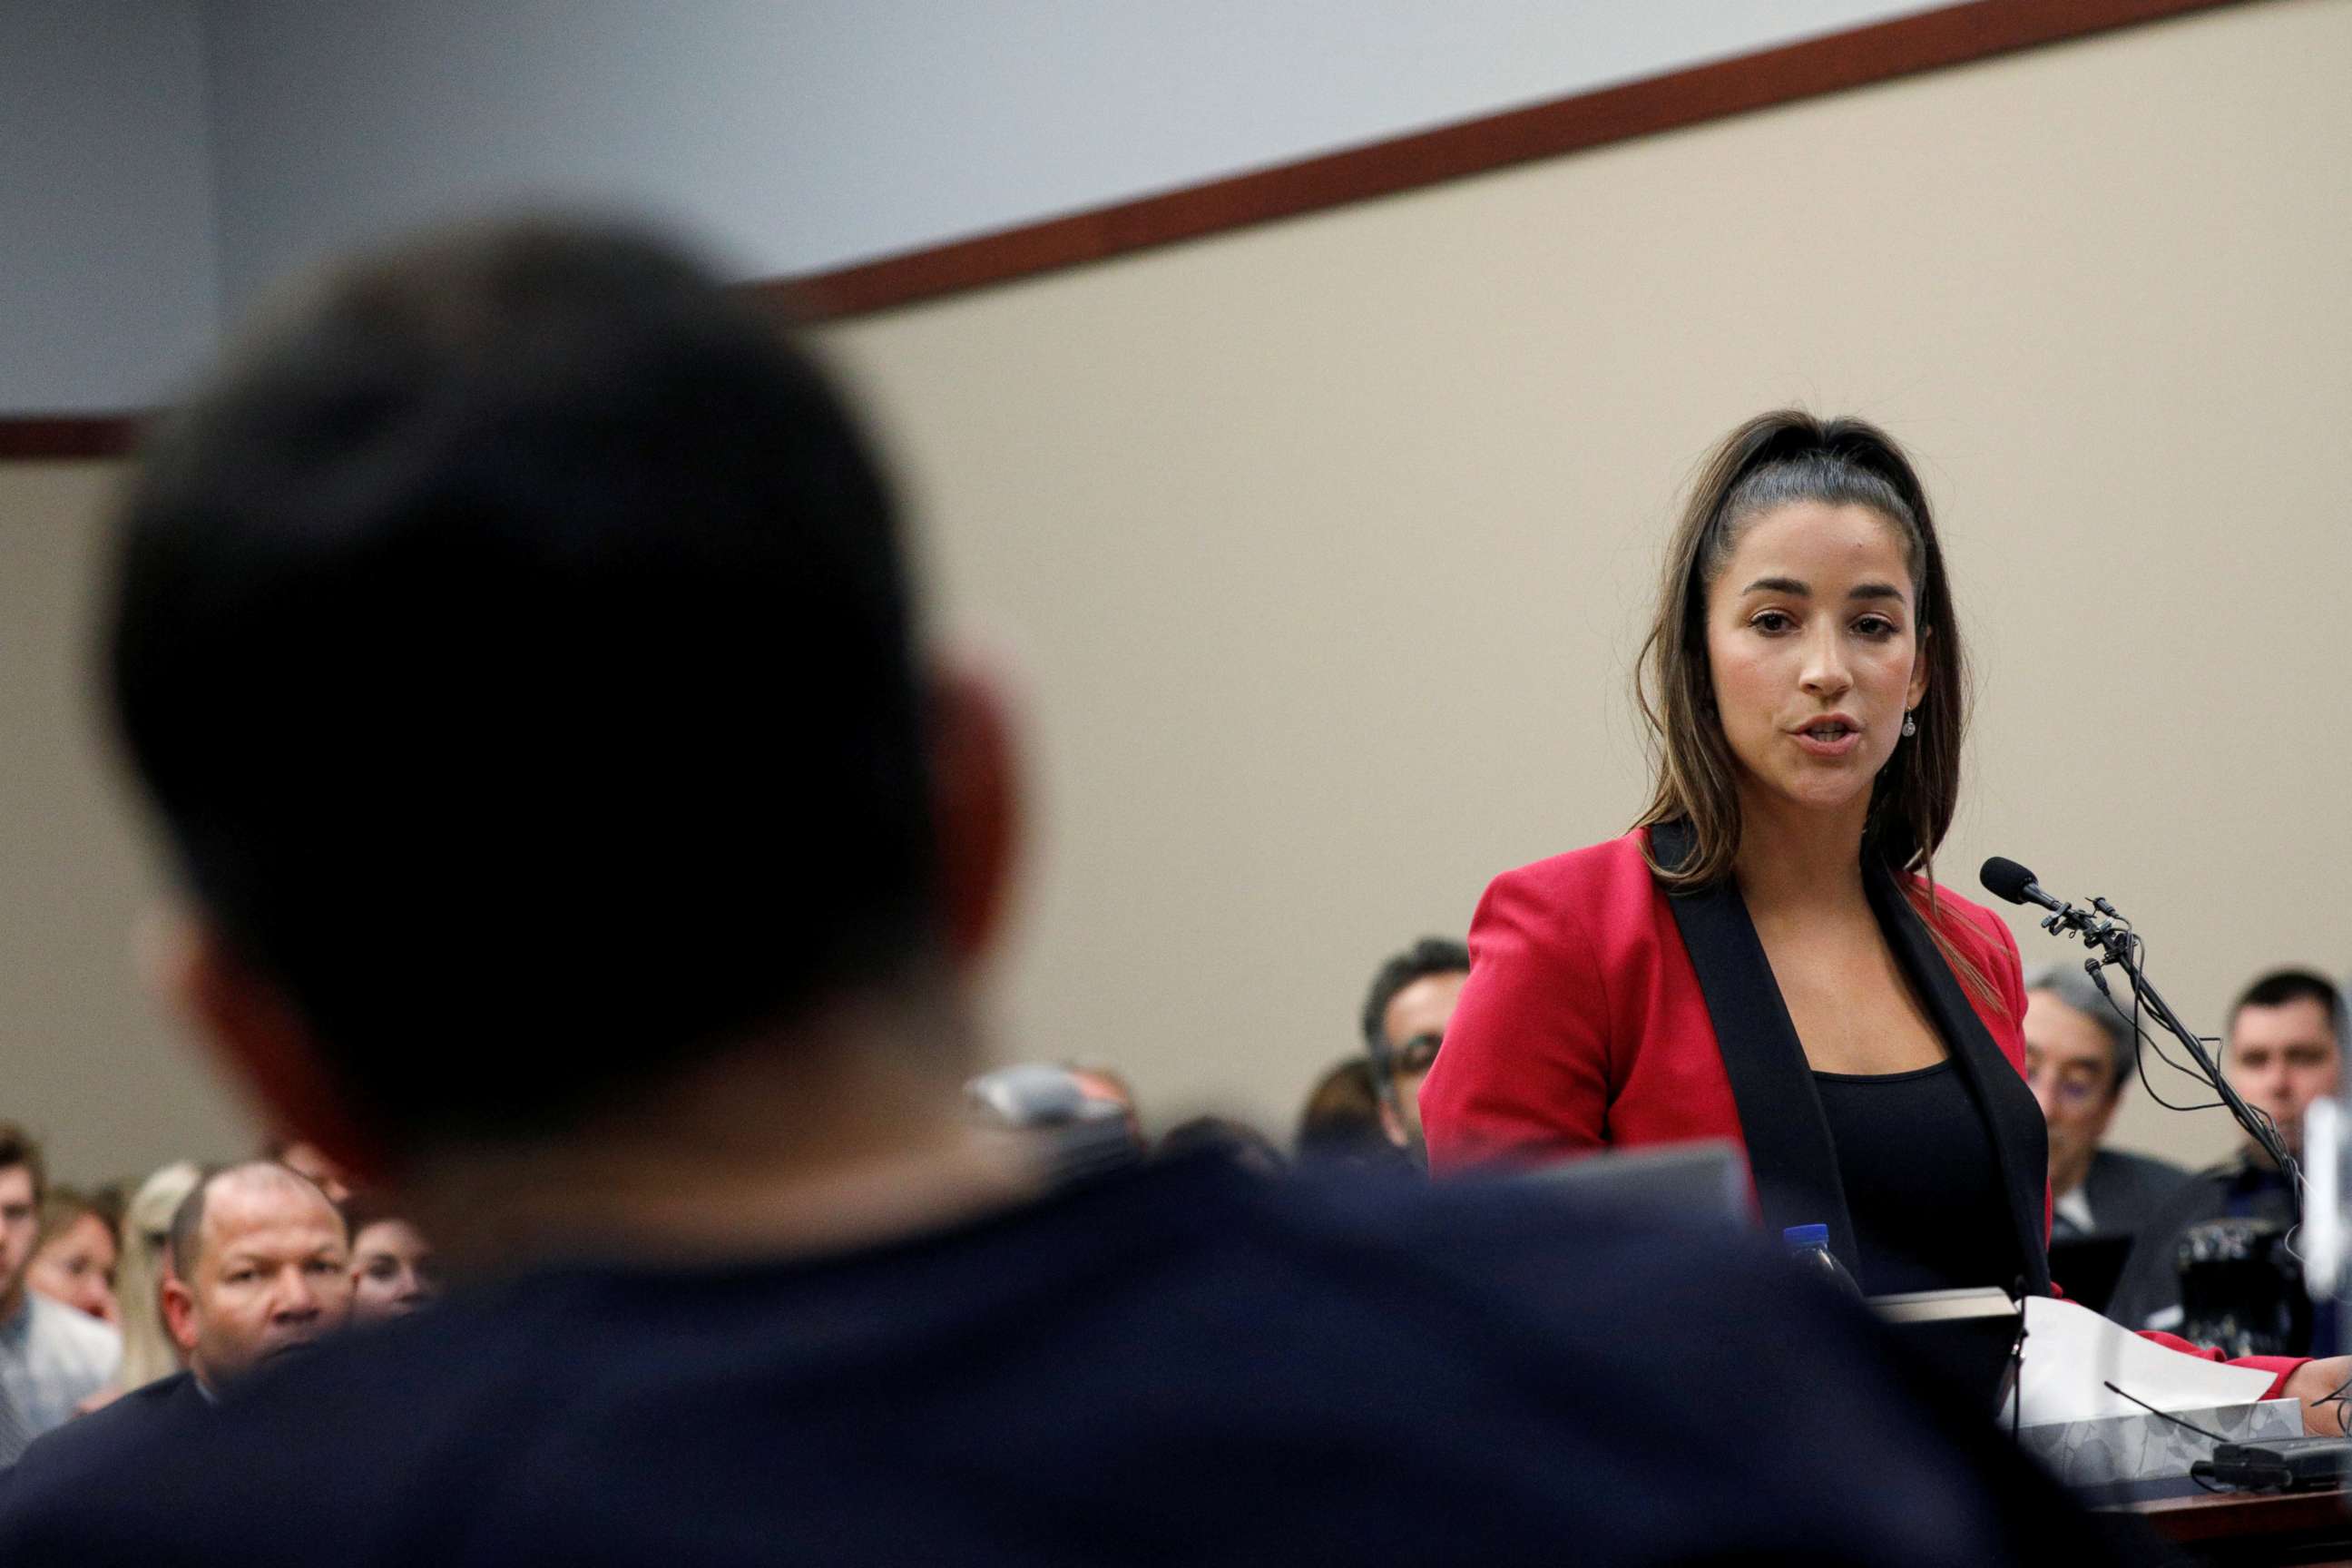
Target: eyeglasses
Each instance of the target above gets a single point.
(1416, 1055)
(2071, 1089)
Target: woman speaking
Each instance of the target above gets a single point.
(1761, 959)
(1767, 957)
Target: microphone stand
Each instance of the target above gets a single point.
(2109, 933)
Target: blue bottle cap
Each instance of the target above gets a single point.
(1806, 1236)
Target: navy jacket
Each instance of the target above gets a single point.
(1182, 1364)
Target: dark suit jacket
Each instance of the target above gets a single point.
(2124, 1192)
(1601, 1013)
(89, 1445)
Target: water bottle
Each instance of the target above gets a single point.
(1809, 1248)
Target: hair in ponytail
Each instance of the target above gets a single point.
(1773, 460)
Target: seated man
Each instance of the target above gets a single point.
(260, 1268)
(2079, 1058)
(52, 1358)
(2283, 1054)
(450, 631)
(1403, 1022)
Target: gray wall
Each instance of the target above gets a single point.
(109, 263)
(796, 136)
(801, 136)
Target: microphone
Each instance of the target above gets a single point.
(2111, 936)
(2005, 878)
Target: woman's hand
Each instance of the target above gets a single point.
(2323, 1388)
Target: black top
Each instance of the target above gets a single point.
(1921, 1181)
(1790, 1153)
(1180, 1364)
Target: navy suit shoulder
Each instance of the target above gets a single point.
(2125, 1190)
(91, 1445)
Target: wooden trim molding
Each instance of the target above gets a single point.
(39, 438)
(1881, 51)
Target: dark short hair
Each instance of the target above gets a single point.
(186, 1237)
(514, 638)
(1430, 955)
(19, 1147)
(2281, 986)
(1236, 1142)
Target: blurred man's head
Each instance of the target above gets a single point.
(2284, 1052)
(2078, 1057)
(23, 1185)
(261, 1267)
(516, 639)
(1406, 1013)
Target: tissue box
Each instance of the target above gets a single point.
(2146, 1447)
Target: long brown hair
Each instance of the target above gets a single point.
(1773, 460)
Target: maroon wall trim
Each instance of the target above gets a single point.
(33, 437)
(1882, 51)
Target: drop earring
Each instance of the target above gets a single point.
(1910, 725)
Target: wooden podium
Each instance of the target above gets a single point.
(2255, 1527)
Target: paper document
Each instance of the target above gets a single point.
(2072, 1354)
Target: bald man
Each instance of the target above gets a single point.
(260, 1269)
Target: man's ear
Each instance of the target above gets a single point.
(249, 1024)
(975, 803)
(180, 1313)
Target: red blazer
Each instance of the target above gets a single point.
(1601, 1012)
(1583, 1026)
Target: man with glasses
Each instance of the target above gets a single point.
(2078, 1057)
(1405, 1014)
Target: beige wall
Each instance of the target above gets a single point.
(1323, 549)
(84, 1060)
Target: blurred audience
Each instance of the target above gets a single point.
(307, 1159)
(2079, 1058)
(78, 1251)
(1341, 1121)
(1235, 1141)
(393, 1270)
(52, 1357)
(1068, 1133)
(148, 1351)
(260, 1268)
(1405, 1017)
(2282, 1053)
(1109, 1085)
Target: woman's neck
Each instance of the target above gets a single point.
(1793, 857)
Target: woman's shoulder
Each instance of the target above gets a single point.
(1600, 890)
(1613, 862)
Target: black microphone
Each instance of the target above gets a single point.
(2006, 879)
